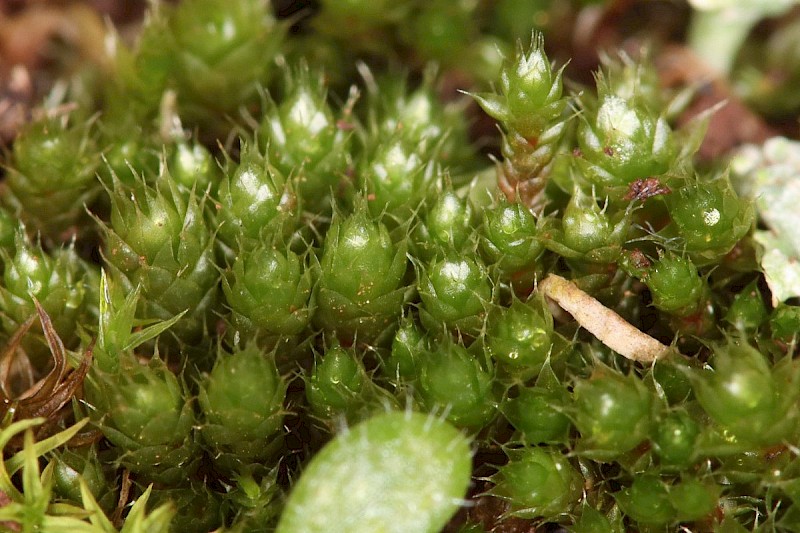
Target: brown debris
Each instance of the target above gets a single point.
(28, 37)
(16, 100)
(638, 259)
(732, 125)
(41, 42)
(4, 501)
(645, 188)
(124, 496)
(46, 397)
(602, 322)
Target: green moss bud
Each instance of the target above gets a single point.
(408, 346)
(129, 155)
(746, 396)
(586, 226)
(622, 141)
(144, 412)
(533, 414)
(509, 238)
(254, 198)
(614, 413)
(747, 311)
(538, 482)
(257, 503)
(242, 404)
(593, 521)
(455, 292)
(360, 289)
(441, 29)
(429, 127)
(531, 91)
(198, 508)
(268, 290)
(676, 286)
(530, 108)
(694, 499)
(336, 383)
(519, 336)
(446, 226)
(785, 322)
(710, 217)
(51, 179)
(339, 386)
(675, 439)
(193, 167)
(395, 179)
(82, 464)
(538, 412)
(646, 501)
(304, 141)
(454, 381)
(62, 282)
(159, 241)
(219, 48)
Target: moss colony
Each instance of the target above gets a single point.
(386, 266)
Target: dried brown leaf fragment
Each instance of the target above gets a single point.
(602, 322)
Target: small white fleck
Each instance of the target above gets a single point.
(711, 217)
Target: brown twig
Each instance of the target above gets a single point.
(610, 328)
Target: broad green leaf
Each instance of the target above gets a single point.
(398, 472)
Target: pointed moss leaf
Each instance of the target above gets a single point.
(96, 515)
(65, 524)
(114, 319)
(33, 487)
(40, 448)
(6, 484)
(157, 521)
(118, 319)
(16, 428)
(151, 332)
(400, 472)
(492, 104)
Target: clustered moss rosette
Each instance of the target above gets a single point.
(145, 412)
(51, 176)
(306, 140)
(302, 284)
(538, 482)
(359, 289)
(537, 411)
(242, 404)
(409, 137)
(622, 140)
(530, 107)
(269, 291)
(212, 53)
(446, 224)
(510, 241)
(159, 240)
(254, 199)
(340, 390)
(62, 282)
